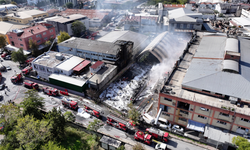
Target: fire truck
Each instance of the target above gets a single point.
(117, 122)
(69, 103)
(141, 136)
(93, 109)
(31, 85)
(158, 134)
(17, 77)
(50, 91)
(27, 70)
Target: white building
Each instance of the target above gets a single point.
(55, 62)
(245, 13)
(227, 7)
(31, 2)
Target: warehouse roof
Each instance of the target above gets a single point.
(209, 71)
(67, 79)
(211, 47)
(7, 26)
(232, 45)
(82, 65)
(70, 63)
(68, 18)
(91, 45)
(138, 39)
(183, 14)
(102, 73)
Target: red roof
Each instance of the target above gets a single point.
(97, 64)
(86, 12)
(53, 11)
(174, 5)
(27, 32)
(82, 65)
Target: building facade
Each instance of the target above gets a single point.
(39, 33)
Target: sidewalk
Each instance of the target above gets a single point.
(193, 142)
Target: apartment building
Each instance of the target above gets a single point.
(39, 33)
(210, 86)
(24, 17)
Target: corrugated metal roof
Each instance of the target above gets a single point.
(232, 45)
(70, 63)
(231, 65)
(244, 59)
(82, 65)
(211, 47)
(67, 79)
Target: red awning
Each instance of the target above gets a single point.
(82, 65)
(97, 64)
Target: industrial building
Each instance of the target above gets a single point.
(209, 87)
(118, 53)
(140, 40)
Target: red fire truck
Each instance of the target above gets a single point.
(17, 77)
(30, 84)
(145, 138)
(93, 109)
(27, 70)
(69, 103)
(117, 122)
(50, 91)
(158, 134)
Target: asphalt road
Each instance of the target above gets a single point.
(15, 90)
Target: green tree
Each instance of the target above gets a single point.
(216, 11)
(94, 125)
(34, 47)
(52, 146)
(138, 146)
(32, 104)
(57, 120)
(69, 116)
(48, 43)
(121, 148)
(133, 114)
(63, 36)
(31, 132)
(221, 15)
(69, 5)
(78, 27)
(19, 56)
(14, 3)
(241, 142)
(2, 41)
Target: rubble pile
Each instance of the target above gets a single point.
(120, 93)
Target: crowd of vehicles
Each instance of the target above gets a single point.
(71, 104)
(16, 78)
(93, 109)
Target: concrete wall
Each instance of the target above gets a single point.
(222, 117)
(201, 120)
(227, 126)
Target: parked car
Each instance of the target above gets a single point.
(161, 146)
(177, 128)
(1, 59)
(8, 68)
(8, 57)
(2, 86)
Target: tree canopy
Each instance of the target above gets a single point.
(138, 146)
(63, 36)
(69, 5)
(14, 3)
(34, 47)
(133, 114)
(94, 125)
(241, 142)
(2, 41)
(32, 104)
(78, 27)
(19, 56)
(69, 116)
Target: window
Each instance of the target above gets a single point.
(223, 114)
(38, 36)
(19, 39)
(52, 36)
(221, 122)
(35, 66)
(10, 37)
(203, 117)
(243, 119)
(183, 119)
(241, 128)
(21, 44)
(30, 38)
(168, 99)
(38, 41)
(181, 26)
(44, 15)
(204, 109)
(164, 108)
(188, 26)
(45, 39)
(165, 114)
(185, 112)
(44, 33)
(49, 70)
(206, 91)
(51, 30)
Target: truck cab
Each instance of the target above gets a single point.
(140, 136)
